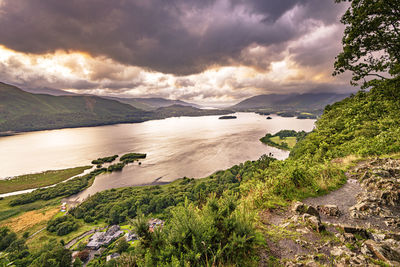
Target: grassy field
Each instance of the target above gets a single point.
(37, 241)
(6, 211)
(291, 141)
(46, 178)
(33, 217)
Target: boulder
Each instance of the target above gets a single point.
(301, 208)
(339, 251)
(314, 221)
(389, 197)
(347, 238)
(329, 210)
(383, 252)
(355, 231)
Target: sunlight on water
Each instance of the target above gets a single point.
(175, 147)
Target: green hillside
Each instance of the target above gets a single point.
(309, 102)
(23, 111)
(367, 123)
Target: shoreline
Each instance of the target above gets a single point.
(25, 191)
(13, 133)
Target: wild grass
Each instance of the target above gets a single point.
(36, 180)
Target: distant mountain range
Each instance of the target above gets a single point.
(152, 103)
(309, 102)
(23, 111)
(47, 91)
(147, 103)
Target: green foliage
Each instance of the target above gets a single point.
(6, 238)
(291, 133)
(77, 262)
(104, 160)
(16, 250)
(68, 188)
(62, 225)
(122, 245)
(220, 233)
(25, 235)
(116, 167)
(52, 254)
(371, 42)
(131, 157)
(364, 124)
(279, 139)
(117, 205)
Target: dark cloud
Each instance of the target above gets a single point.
(175, 36)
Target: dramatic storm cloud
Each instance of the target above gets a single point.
(219, 50)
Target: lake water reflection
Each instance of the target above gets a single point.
(175, 147)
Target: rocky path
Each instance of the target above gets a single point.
(356, 225)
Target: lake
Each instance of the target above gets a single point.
(175, 147)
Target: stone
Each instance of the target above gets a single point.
(362, 206)
(395, 222)
(347, 238)
(314, 221)
(329, 210)
(356, 214)
(383, 251)
(366, 251)
(302, 208)
(355, 230)
(394, 236)
(378, 237)
(389, 197)
(339, 251)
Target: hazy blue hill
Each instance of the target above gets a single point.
(179, 110)
(291, 102)
(151, 103)
(23, 111)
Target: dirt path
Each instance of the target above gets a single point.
(344, 198)
(366, 233)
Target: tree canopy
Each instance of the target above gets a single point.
(371, 41)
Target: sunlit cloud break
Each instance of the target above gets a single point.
(211, 52)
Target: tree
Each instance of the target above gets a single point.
(371, 41)
(53, 254)
(77, 262)
(122, 246)
(6, 238)
(83, 255)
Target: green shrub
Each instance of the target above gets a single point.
(62, 225)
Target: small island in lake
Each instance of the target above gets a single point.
(306, 115)
(285, 139)
(227, 117)
(100, 161)
(131, 157)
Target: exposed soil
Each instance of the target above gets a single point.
(363, 230)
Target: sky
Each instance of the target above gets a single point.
(210, 52)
